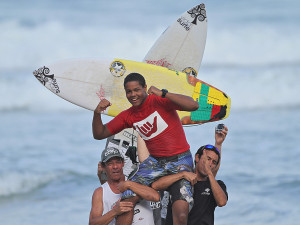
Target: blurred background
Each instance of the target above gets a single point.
(48, 156)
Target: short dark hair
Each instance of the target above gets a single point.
(204, 147)
(135, 77)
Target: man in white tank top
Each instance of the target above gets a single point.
(106, 204)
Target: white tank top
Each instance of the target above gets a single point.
(143, 214)
(109, 200)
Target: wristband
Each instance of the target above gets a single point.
(164, 92)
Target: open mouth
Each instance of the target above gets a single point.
(134, 100)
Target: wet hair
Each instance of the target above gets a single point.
(202, 148)
(135, 77)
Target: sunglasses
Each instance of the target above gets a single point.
(211, 147)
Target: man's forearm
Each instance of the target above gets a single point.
(218, 146)
(185, 102)
(166, 181)
(219, 139)
(104, 219)
(219, 195)
(98, 127)
(143, 191)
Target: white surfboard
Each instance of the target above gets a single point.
(85, 82)
(182, 45)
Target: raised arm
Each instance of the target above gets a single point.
(142, 191)
(185, 102)
(219, 139)
(164, 182)
(96, 217)
(100, 131)
(219, 194)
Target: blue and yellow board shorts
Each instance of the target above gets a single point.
(152, 168)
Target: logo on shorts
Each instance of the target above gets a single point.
(150, 127)
(155, 205)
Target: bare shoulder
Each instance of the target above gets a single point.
(98, 193)
(97, 201)
(97, 204)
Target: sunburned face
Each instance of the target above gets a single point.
(114, 168)
(135, 93)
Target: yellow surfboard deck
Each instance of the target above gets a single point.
(85, 82)
(213, 104)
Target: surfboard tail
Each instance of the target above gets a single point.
(214, 104)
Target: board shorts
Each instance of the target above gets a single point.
(152, 168)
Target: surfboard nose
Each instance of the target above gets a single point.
(44, 76)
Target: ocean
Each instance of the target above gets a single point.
(48, 157)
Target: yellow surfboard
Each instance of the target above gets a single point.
(85, 82)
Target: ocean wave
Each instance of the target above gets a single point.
(23, 48)
(229, 42)
(16, 183)
(29, 47)
(285, 182)
(255, 63)
(250, 44)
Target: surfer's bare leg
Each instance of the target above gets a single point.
(126, 218)
(180, 211)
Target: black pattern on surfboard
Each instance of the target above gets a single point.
(48, 80)
(198, 13)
